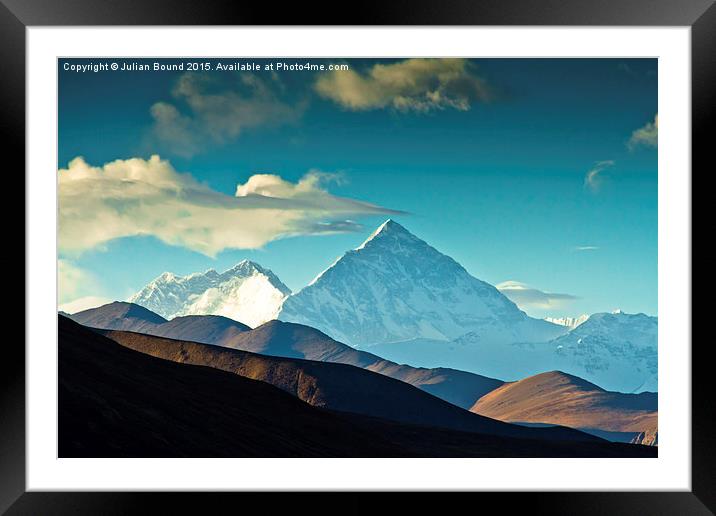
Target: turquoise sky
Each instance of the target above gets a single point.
(489, 161)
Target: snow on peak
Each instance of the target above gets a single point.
(396, 287)
(569, 322)
(622, 317)
(388, 230)
(381, 239)
(246, 292)
(246, 267)
(616, 350)
(165, 276)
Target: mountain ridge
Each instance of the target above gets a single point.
(452, 385)
(292, 340)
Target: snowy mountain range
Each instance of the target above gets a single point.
(616, 351)
(617, 348)
(402, 299)
(247, 293)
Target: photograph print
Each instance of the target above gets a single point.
(389, 257)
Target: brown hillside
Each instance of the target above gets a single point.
(563, 399)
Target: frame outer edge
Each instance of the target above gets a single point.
(371, 12)
(12, 366)
(12, 131)
(703, 117)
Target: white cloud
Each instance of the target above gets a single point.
(74, 286)
(216, 116)
(593, 179)
(527, 297)
(72, 280)
(412, 85)
(586, 248)
(648, 135)
(148, 197)
(83, 303)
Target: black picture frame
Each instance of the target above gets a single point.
(17, 15)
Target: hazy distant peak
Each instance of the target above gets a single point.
(619, 315)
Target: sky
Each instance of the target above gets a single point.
(539, 176)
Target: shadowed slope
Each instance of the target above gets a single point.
(295, 340)
(116, 402)
(336, 386)
(287, 340)
(564, 399)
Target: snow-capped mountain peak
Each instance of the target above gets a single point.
(389, 232)
(244, 267)
(396, 287)
(246, 292)
(638, 328)
(618, 349)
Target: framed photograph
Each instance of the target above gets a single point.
(446, 249)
